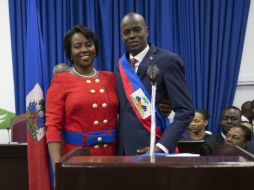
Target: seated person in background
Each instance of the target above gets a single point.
(249, 144)
(238, 136)
(230, 117)
(248, 125)
(247, 111)
(196, 128)
(59, 68)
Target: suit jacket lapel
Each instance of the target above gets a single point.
(148, 59)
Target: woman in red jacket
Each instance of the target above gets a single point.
(81, 103)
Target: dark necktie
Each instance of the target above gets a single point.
(133, 61)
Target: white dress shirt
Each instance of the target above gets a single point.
(139, 57)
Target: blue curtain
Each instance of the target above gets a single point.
(207, 34)
(210, 41)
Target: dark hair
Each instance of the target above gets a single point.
(204, 113)
(231, 107)
(246, 131)
(89, 34)
(246, 106)
(248, 123)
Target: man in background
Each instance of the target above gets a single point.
(247, 111)
(230, 117)
(59, 68)
(238, 136)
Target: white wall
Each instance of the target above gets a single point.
(245, 87)
(7, 100)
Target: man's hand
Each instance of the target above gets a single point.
(147, 150)
(165, 107)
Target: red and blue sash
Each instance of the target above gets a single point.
(132, 83)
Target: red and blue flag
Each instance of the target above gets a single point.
(36, 82)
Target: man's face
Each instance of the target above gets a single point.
(134, 34)
(229, 119)
(235, 136)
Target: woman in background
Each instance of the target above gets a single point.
(196, 128)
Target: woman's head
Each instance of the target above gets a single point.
(199, 121)
(81, 45)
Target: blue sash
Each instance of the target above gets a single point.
(138, 96)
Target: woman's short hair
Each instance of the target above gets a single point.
(89, 34)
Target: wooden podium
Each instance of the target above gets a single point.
(13, 167)
(229, 168)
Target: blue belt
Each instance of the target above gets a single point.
(89, 138)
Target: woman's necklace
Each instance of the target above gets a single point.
(85, 76)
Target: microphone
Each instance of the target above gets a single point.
(152, 72)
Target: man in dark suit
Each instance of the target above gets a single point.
(133, 133)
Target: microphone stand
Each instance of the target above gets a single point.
(152, 73)
(153, 123)
(9, 136)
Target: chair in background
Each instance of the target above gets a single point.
(18, 129)
(4, 136)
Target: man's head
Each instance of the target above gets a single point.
(134, 33)
(230, 117)
(247, 110)
(248, 125)
(238, 136)
(61, 67)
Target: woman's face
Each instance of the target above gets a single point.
(198, 123)
(235, 136)
(83, 51)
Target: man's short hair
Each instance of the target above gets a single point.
(231, 107)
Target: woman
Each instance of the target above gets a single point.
(196, 128)
(81, 103)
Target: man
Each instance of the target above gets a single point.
(247, 111)
(249, 144)
(248, 125)
(238, 136)
(230, 117)
(134, 86)
(60, 67)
